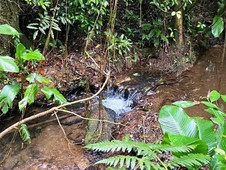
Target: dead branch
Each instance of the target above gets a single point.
(90, 119)
(15, 125)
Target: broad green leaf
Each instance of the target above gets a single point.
(29, 96)
(7, 95)
(222, 143)
(33, 55)
(25, 135)
(8, 30)
(57, 96)
(197, 145)
(218, 162)
(217, 26)
(219, 115)
(211, 105)
(223, 98)
(185, 104)
(206, 133)
(214, 96)
(174, 120)
(36, 77)
(8, 64)
(20, 50)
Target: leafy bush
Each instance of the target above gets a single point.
(85, 14)
(193, 141)
(18, 65)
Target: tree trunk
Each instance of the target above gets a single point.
(179, 24)
(8, 15)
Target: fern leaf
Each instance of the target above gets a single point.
(171, 148)
(133, 162)
(190, 160)
(130, 162)
(117, 145)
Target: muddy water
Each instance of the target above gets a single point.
(209, 73)
(50, 149)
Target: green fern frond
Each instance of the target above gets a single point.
(140, 147)
(117, 145)
(112, 146)
(170, 148)
(130, 162)
(189, 160)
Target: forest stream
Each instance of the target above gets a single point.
(50, 149)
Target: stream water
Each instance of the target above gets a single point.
(49, 148)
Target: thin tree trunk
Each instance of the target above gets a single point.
(179, 24)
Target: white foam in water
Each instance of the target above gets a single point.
(118, 104)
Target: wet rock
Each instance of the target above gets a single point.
(99, 131)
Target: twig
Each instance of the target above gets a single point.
(47, 121)
(85, 118)
(9, 129)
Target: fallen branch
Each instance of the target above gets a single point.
(15, 125)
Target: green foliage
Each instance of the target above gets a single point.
(7, 95)
(130, 162)
(8, 64)
(150, 23)
(18, 65)
(85, 14)
(193, 141)
(213, 137)
(153, 34)
(57, 96)
(119, 45)
(29, 96)
(218, 21)
(147, 154)
(33, 77)
(24, 133)
(197, 145)
(185, 104)
(43, 3)
(218, 26)
(173, 119)
(42, 25)
(189, 161)
(6, 29)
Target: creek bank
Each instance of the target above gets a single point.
(141, 123)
